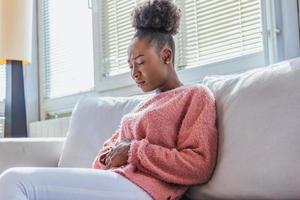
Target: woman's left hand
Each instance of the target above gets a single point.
(118, 155)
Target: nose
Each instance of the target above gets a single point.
(135, 73)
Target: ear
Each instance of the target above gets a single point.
(166, 55)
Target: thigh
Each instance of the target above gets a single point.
(77, 184)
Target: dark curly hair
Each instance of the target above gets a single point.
(156, 21)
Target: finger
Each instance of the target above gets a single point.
(108, 161)
(113, 155)
(109, 153)
(108, 156)
(103, 154)
(111, 161)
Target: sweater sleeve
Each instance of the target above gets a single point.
(194, 158)
(99, 161)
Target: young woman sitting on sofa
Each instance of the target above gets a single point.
(166, 144)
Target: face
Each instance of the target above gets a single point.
(147, 65)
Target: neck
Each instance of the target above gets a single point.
(172, 84)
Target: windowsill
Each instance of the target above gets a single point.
(122, 85)
(190, 75)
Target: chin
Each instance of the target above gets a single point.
(144, 88)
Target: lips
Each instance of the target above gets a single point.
(139, 83)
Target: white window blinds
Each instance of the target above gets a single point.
(210, 31)
(116, 34)
(67, 47)
(218, 30)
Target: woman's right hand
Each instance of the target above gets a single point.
(118, 155)
(106, 150)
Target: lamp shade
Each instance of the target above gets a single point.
(16, 30)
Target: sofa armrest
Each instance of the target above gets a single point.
(30, 152)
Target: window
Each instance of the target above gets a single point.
(67, 47)
(222, 36)
(210, 31)
(2, 96)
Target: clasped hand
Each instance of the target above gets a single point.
(118, 154)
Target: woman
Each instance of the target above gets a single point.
(166, 144)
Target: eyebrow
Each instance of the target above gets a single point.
(136, 57)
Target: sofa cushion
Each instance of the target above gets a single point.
(259, 135)
(94, 120)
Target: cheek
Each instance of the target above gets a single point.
(154, 71)
(158, 76)
(162, 72)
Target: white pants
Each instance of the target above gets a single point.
(27, 183)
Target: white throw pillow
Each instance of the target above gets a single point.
(93, 121)
(259, 135)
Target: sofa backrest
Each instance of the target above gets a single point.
(93, 120)
(259, 134)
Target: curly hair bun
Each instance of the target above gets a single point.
(160, 15)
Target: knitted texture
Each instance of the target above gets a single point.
(174, 141)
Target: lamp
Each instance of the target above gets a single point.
(15, 51)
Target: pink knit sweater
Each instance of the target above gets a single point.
(174, 141)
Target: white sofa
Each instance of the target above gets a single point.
(259, 135)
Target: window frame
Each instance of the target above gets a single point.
(2, 107)
(103, 84)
